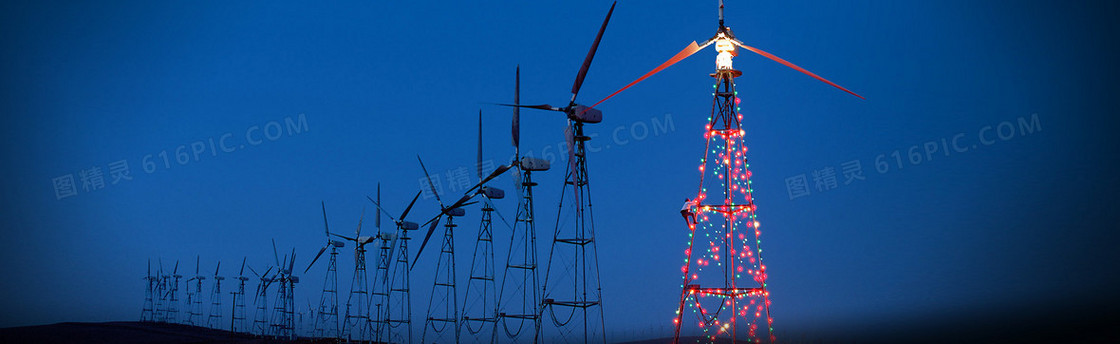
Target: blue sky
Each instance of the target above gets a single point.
(1019, 221)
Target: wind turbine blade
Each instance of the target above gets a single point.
(242, 266)
(344, 237)
(274, 255)
(409, 208)
(378, 204)
(315, 260)
(431, 229)
(326, 227)
(795, 67)
(538, 107)
(692, 48)
(436, 218)
(250, 269)
(478, 162)
(219, 268)
(517, 185)
(517, 114)
(292, 263)
(393, 244)
(430, 185)
(458, 204)
(176, 270)
(495, 174)
(197, 260)
(570, 139)
(378, 221)
(358, 233)
(590, 55)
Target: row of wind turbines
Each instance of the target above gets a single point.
(506, 309)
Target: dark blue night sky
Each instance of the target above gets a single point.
(321, 102)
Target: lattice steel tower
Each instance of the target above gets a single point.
(214, 320)
(194, 295)
(283, 312)
(480, 306)
(357, 306)
(519, 296)
(326, 318)
(147, 313)
(724, 278)
(260, 319)
(173, 294)
(391, 295)
(571, 294)
(237, 314)
(443, 302)
(398, 313)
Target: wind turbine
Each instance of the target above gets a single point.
(147, 313)
(160, 314)
(518, 297)
(738, 277)
(393, 273)
(283, 318)
(326, 322)
(445, 281)
(261, 320)
(357, 309)
(172, 294)
(480, 306)
(215, 318)
(578, 237)
(194, 296)
(581, 234)
(237, 314)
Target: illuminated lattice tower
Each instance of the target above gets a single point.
(723, 290)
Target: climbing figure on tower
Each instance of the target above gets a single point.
(688, 212)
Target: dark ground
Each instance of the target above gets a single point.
(1041, 323)
(126, 333)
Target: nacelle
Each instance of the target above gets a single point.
(456, 212)
(585, 114)
(493, 193)
(409, 225)
(534, 164)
